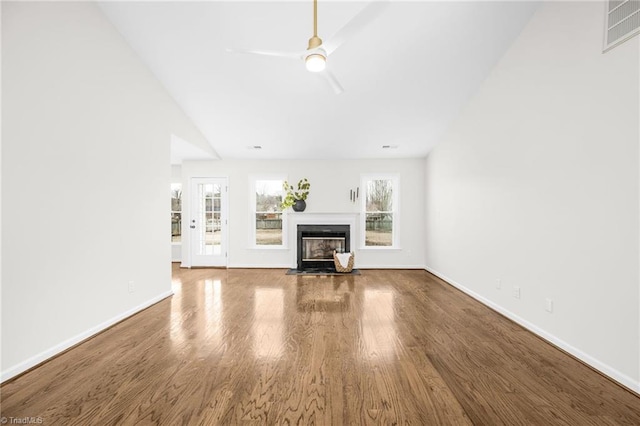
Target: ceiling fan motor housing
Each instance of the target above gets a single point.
(314, 42)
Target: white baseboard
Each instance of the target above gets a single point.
(254, 266)
(282, 266)
(378, 266)
(51, 352)
(604, 368)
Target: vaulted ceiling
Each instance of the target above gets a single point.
(406, 75)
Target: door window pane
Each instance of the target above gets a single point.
(209, 237)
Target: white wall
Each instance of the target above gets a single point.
(536, 184)
(85, 178)
(330, 185)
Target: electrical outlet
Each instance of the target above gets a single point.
(499, 283)
(516, 292)
(549, 306)
(132, 287)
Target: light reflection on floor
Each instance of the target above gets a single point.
(201, 310)
(378, 324)
(268, 324)
(214, 326)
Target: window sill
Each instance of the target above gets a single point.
(378, 248)
(255, 247)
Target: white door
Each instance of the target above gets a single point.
(208, 222)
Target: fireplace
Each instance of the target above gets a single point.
(316, 244)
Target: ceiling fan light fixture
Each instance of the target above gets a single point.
(315, 62)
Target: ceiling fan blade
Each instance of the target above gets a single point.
(356, 24)
(333, 81)
(276, 53)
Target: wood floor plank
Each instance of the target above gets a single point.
(261, 347)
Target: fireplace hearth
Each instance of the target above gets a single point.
(316, 244)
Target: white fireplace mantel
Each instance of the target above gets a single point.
(308, 218)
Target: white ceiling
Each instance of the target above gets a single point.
(406, 75)
(182, 150)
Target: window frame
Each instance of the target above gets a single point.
(253, 179)
(395, 212)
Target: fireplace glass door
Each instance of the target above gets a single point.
(321, 248)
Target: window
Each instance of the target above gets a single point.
(176, 212)
(268, 222)
(380, 211)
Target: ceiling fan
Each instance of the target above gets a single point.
(316, 54)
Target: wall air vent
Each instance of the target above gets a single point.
(622, 22)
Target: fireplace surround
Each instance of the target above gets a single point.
(316, 243)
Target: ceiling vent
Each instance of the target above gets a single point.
(622, 23)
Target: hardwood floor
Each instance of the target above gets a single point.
(261, 347)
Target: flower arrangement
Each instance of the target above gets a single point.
(293, 195)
